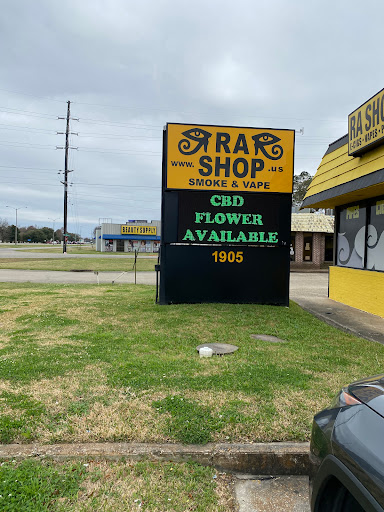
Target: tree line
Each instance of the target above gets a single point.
(33, 234)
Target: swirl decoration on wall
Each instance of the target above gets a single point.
(375, 249)
(351, 257)
(372, 238)
(194, 134)
(343, 249)
(267, 139)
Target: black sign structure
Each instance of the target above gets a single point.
(224, 246)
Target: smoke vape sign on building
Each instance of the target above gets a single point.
(226, 210)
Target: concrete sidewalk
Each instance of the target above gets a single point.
(310, 291)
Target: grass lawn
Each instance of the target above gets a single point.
(83, 363)
(38, 486)
(96, 264)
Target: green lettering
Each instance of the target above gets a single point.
(241, 237)
(262, 237)
(199, 217)
(253, 236)
(233, 218)
(214, 200)
(189, 236)
(220, 218)
(273, 237)
(213, 237)
(201, 234)
(257, 219)
(246, 218)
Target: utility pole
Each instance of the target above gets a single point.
(66, 171)
(66, 178)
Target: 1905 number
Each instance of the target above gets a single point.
(230, 257)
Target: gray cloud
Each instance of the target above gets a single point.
(129, 67)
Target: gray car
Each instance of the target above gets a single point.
(347, 446)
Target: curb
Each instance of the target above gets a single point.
(256, 459)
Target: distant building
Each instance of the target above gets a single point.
(311, 239)
(139, 235)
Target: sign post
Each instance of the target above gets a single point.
(226, 214)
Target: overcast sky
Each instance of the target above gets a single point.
(128, 67)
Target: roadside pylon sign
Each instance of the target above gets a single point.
(226, 214)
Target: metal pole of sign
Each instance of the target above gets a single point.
(135, 263)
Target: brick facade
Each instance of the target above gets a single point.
(318, 249)
(299, 246)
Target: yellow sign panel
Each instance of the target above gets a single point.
(202, 157)
(138, 230)
(366, 125)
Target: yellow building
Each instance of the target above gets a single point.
(350, 179)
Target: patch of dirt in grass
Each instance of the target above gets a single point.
(102, 413)
(5, 386)
(154, 486)
(333, 382)
(55, 393)
(294, 415)
(133, 420)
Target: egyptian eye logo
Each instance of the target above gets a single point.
(266, 139)
(194, 134)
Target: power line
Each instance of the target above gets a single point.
(117, 185)
(116, 123)
(30, 113)
(32, 95)
(32, 168)
(258, 116)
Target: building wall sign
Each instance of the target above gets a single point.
(366, 126)
(201, 157)
(226, 215)
(138, 230)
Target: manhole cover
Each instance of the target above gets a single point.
(267, 337)
(219, 349)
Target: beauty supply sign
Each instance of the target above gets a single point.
(201, 157)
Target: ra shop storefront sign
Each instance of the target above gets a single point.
(204, 157)
(366, 126)
(231, 219)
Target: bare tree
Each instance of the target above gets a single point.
(3, 229)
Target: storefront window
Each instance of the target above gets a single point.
(351, 236)
(375, 238)
(328, 253)
(307, 250)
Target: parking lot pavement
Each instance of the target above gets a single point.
(272, 494)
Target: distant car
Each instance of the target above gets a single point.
(347, 444)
